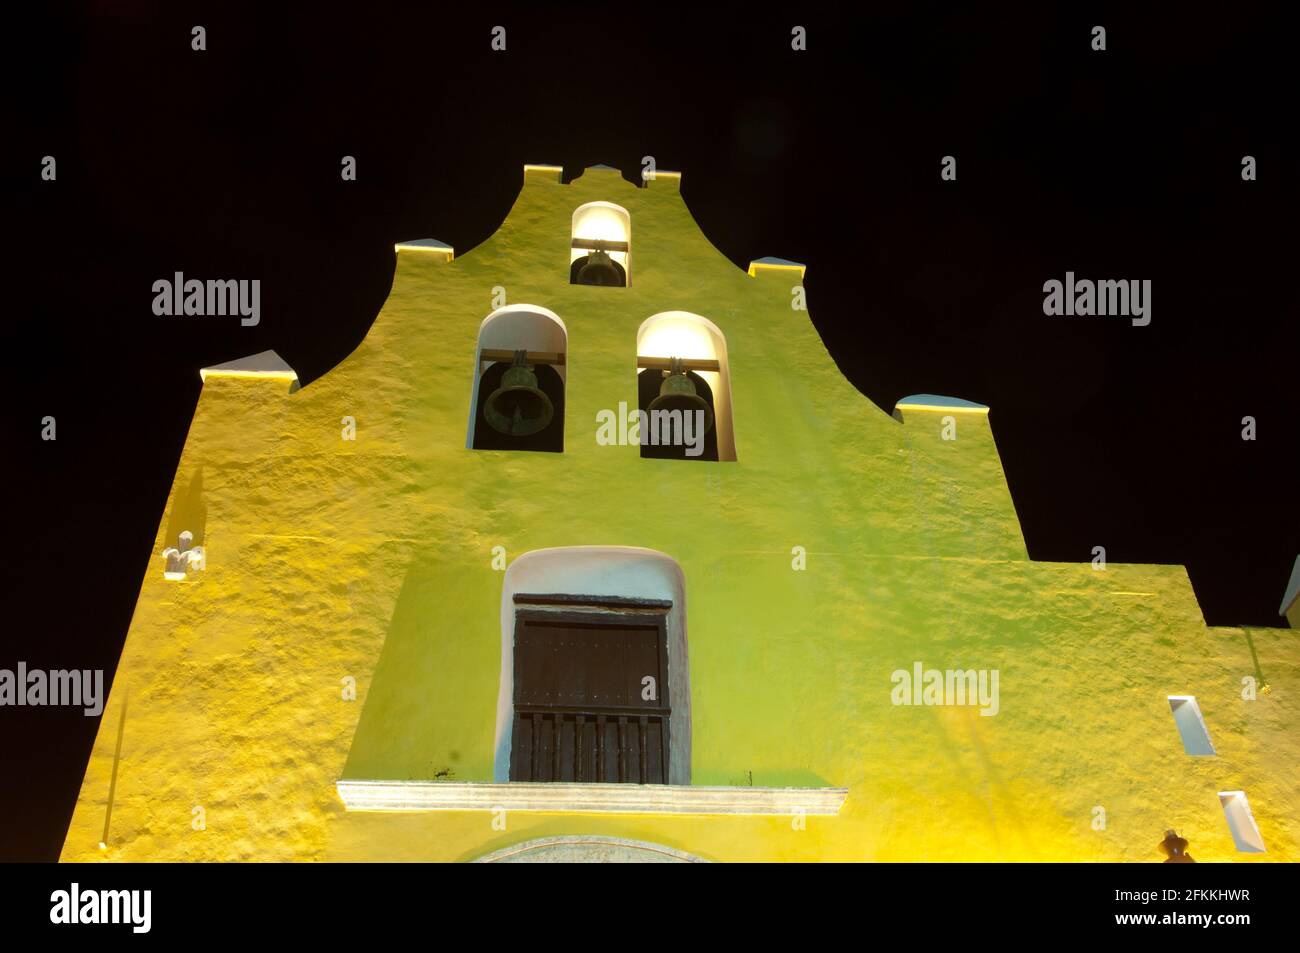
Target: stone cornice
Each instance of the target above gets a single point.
(586, 798)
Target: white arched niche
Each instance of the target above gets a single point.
(606, 222)
(683, 334)
(609, 573)
(516, 327)
(588, 849)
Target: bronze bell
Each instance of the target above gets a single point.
(600, 270)
(518, 408)
(677, 392)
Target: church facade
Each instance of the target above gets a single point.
(589, 551)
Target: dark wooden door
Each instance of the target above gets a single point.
(590, 698)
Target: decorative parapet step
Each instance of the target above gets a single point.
(769, 265)
(265, 365)
(427, 245)
(544, 170)
(586, 798)
(1292, 589)
(940, 402)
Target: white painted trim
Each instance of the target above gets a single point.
(1191, 725)
(662, 175)
(527, 326)
(614, 572)
(578, 228)
(1241, 822)
(1292, 588)
(619, 849)
(708, 342)
(776, 265)
(940, 403)
(266, 365)
(586, 798)
(426, 245)
(556, 170)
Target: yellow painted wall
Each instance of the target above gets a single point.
(372, 559)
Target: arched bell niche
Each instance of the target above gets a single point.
(682, 368)
(517, 401)
(601, 245)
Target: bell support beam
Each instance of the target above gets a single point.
(599, 244)
(687, 364)
(557, 358)
(532, 357)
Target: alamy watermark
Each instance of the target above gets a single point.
(79, 688)
(942, 687)
(181, 296)
(655, 428)
(1106, 297)
(131, 907)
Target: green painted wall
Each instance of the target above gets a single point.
(372, 559)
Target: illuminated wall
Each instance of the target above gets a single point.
(372, 560)
(606, 222)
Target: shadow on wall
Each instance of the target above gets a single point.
(430, 705)
(765, 778)
(189, 512)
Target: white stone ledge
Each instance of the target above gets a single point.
(586, 798)
(429, 245)
(773, 265)
(544, 170)
(265, 365)
(940, 403)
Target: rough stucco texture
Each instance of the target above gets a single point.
(371, 559)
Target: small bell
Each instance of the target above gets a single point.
(518, 408)
(600, 270)
(677, 392)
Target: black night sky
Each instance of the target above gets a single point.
(1124, 163)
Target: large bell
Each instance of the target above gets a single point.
(601, 270)
(677, 392)
(518, 408)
